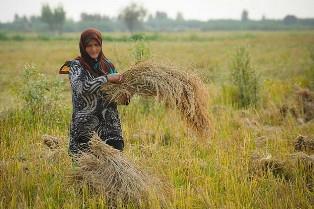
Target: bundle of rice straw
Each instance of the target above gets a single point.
(108, 172)
(290, 168)
(175, 88)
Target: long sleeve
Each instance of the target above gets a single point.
(82, 82)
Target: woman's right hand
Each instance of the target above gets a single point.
(115, 78)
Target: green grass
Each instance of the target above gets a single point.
(204, 173)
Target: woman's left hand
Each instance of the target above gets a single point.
(115, 78)
(124, 99)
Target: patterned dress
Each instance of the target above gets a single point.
(91, 113)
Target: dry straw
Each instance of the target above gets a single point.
(304, 144)
(294, 166)
(169, 85)
(107, 171)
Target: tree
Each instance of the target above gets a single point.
(22, 23)
(150, 18)
(85, 17)
(47, 16)
(290, 19)
(244, 15)
(55, 19)
(133, 16)
(59, 18)
(161, 15)
(179, 17)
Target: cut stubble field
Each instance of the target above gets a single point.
(204, 172)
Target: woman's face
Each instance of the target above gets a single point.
(93, 49)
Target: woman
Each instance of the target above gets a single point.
(91, 112)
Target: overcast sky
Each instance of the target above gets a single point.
(191, 9)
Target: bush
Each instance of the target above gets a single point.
(141, 51)
(18, 38)
(3, 37)
(43, 37)
(40, 94)
(137, 37)
(244, 79)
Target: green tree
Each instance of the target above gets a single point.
(161, 15)
(179, 17)
(290, 19)
(54, 18)
(133, 16)
(244, 16)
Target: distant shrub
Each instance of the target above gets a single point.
(137, 37)
(43, 37)
(108, 38)
(3, 37)
(18, 38)
(153, 37)
(144, 37)
(113, 38)
(244, 79)
(194, 37)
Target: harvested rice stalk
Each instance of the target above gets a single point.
(304, 144)
(167, 84)
(306, 103)
(108, 172)
(51, 141)
(294, 166)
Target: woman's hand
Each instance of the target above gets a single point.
(124, 99)
(115, 78)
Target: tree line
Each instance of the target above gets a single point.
(134, 18)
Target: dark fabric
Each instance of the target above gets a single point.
(117, 144)
(91, 112)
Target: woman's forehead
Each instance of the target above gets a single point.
(91, 41)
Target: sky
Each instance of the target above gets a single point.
(191, 9)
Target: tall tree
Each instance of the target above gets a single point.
(133, 16)
(179, 17)
(85, 17)
(290, 19)
(59, 18)
(244, 16)
(161, 15)
(47, 16)
(22, 23)
(54, 18)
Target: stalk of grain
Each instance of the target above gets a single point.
(175, 88)
(107, 171)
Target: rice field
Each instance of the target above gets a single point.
(203, 172)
